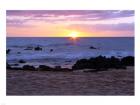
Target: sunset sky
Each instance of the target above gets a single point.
(62, 23)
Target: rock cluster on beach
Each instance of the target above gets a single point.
(28, 67)
(99, 63)
(103, 63)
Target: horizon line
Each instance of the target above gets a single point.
(66, 36)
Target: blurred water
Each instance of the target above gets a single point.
(65, 50)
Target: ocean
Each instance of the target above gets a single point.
(64, 51)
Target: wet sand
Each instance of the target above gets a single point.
(111, 82)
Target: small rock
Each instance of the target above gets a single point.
(51, 50)
(8, 51)
(37, 48)
(91, 47)
(22, 61)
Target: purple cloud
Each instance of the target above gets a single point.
(88, 20)
(123, 27)
(77, 14)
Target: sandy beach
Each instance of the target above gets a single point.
(111, 82)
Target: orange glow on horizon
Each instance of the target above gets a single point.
(47, 31)
(74, 35)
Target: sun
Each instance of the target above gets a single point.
(74, 35)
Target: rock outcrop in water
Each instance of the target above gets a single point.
(51, 50)
(8, 51)
(22, 61)
(37, 48)
(92, 47)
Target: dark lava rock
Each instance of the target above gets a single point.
(128, 61)
(102, 63)
(51, 50)
(44, 67)
(81, 64)
(115, 63)
(37, 48)
(8, 51)
(91, 47)
(8, 66)
(22, 61)
(28, 67)
(56, 69)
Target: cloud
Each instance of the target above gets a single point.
(64, 15)
(123, 28)
(121, 21)
(115, 27)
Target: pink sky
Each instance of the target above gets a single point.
(60, 23)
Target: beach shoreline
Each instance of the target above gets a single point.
(110, 82)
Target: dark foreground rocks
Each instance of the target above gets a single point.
(128, 61)
(56, 68)
(39, 68)
(102, 63)
(44, 67)
(28, 67)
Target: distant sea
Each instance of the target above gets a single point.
(65, 50)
